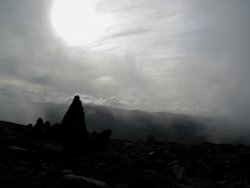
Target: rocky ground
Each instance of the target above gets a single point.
(123, 164)
(67, 155)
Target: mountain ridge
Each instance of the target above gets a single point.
(133, 124)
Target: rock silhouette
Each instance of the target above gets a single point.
(41, 156)
(73, 128)
(39, 123)
(100, 141)
(72, 132)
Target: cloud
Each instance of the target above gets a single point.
(179, 56)
(132, 32)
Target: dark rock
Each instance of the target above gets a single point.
(29, 126)
(181, 185)
(43, 159)
(121, 185)
(40, 130)
(84, 179)
(101, 140)
(39, 123)
(19, 152)
(151, 139)
(47, 124)
(178, 172)
(9, 140)
(94, 134)
(73, 127)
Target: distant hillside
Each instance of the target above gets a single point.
(10, 129)
(135, 124)
(126, 124)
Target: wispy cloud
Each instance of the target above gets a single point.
(128, 33)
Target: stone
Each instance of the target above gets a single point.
(121, 185)
(73, 126)
(101, 140)
(91, 181)
(178, 172)
(39, 123)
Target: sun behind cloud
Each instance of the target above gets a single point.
(78, 22)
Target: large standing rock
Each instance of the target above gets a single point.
(73, 126)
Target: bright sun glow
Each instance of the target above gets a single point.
(78, 22)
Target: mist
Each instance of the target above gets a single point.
(187, 57)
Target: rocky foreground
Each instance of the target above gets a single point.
(67, 155)
(125, 164)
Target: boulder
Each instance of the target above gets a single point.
(73, 127)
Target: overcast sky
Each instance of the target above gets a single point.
(185, 56)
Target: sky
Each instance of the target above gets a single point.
(182, 56)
